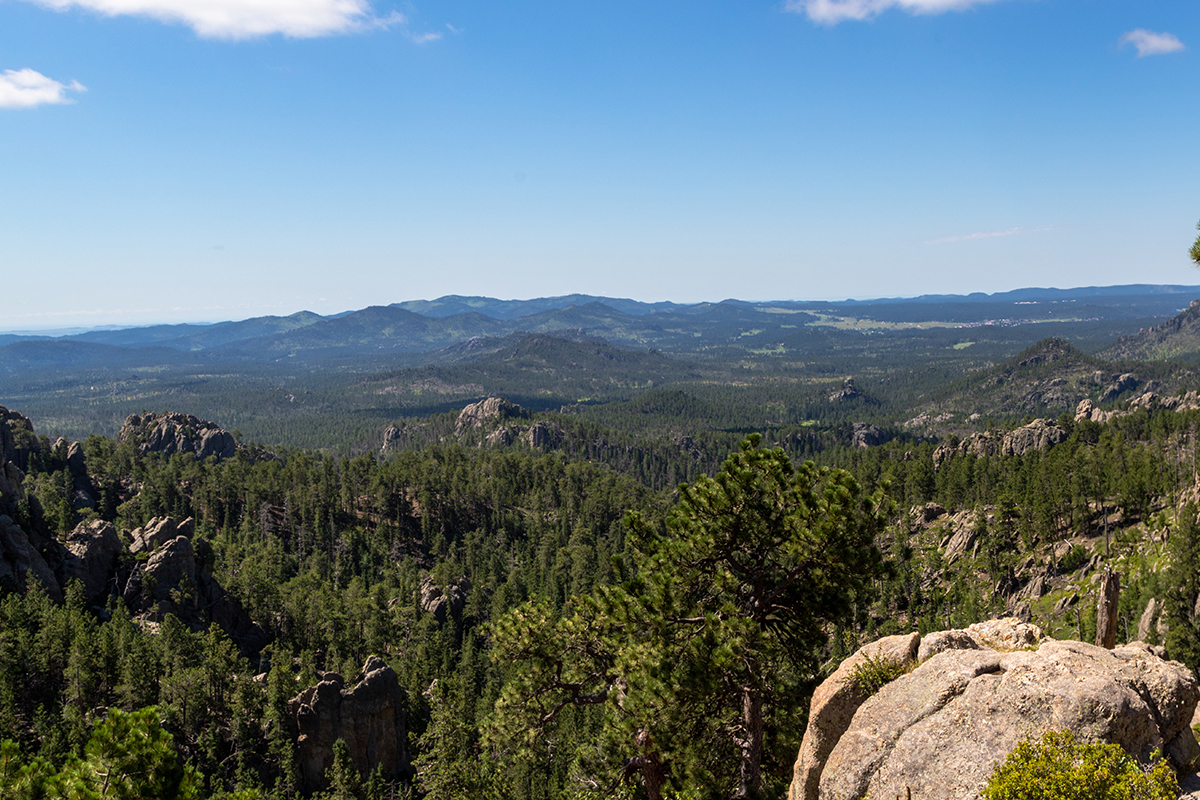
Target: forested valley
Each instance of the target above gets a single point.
(632, 598)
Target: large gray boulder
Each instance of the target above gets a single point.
(158, 531)
(95, 549)
(172, 568)
(177, 433)
(940, 730)
(833, 706)
(368, 716)
(1037, 435)
(487, 412)
(436, 601)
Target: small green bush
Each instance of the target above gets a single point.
(1059, 768)
(1075, 558)
(872, 674)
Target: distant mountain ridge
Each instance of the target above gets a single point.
(428, 330)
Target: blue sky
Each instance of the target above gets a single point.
(188, 160)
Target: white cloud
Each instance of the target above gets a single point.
(422, 38)
(834, 11)
(242, 19)
(26, 88)
(966, 237)
(1149, 43)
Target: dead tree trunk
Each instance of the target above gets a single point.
(1106, 613)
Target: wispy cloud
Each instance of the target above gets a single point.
(422, 38)
(832, 12)
(1149, 43)
(26, 88)
(244, 19)
(966, 237)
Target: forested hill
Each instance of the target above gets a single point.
(505, 587)
(424, 326)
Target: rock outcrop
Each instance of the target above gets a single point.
(160, 530)
(177, 578)
(864, 434)
(1118, 384)
(848, 392)
(22, 560)
(177, 433)
(443, 603)
(95, 550)
(369, 717)
(940, 730)
(833, 706)
(486, 412)
(1037, 435)
(17, 439)
(543, 436)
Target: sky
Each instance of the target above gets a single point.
(204, 160)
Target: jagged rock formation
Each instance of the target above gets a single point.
(1037, 435)
(1087, 410)
(848, 392)
(940, 729)
(26, 551)
(1118, 384)
(21, 560)
(95, 552)
(543, 436)
(177, 433)
(369, 717)
(487, 412)
(17, 439)
(864, 434)
(177, 579)
(436, 601)
(159, 531)
(493, 413)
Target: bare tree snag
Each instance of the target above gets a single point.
(1106, 612)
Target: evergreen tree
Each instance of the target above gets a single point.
(1183, 588)
(723, 611)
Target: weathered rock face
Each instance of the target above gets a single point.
(172, 567)
(543, 436)
(485, 412)
(848, 392)
(1037, 435)
(833, 706)
(1118, 384)
(159, 531)
(95, 550)
(864, 434)
(177, 578)
(177, 433)
(17, 439)
(21, 560)
(369, 717)
(443, 603)
(941, 729)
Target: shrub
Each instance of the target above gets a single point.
(1075, 558)
(872, 674)
(1059, 768)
